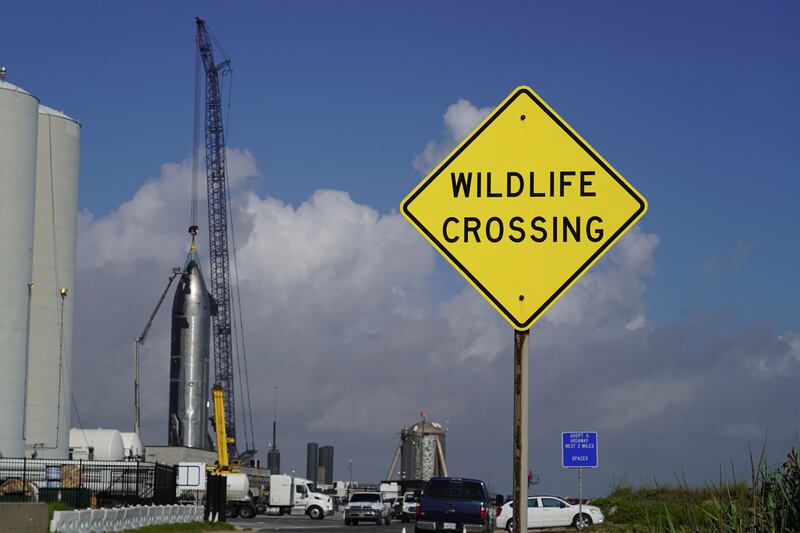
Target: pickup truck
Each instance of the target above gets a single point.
(367, 507)
(455, 504)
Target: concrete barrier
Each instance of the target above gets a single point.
(23, 517)
(119, 519)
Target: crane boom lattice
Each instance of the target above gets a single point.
(217, 185)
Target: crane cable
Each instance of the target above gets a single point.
(245, 389)
(195, 144)
(237, 309)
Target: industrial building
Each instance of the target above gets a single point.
(39, 155)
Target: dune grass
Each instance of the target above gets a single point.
(769, 501)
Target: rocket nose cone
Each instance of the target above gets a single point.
(197, 284)
(191, 290)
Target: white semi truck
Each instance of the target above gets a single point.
(281, 495)
(294, 495)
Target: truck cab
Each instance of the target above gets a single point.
(291, 495)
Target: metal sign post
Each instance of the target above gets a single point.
(580, 497)
(521, 430)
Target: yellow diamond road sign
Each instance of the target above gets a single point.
(523, 207)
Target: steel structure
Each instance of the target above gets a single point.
(217, 186)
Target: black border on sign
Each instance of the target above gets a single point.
(582, 268)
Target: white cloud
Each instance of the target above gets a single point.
(459, 120)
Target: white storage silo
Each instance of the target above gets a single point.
(48, 407)
(18, 123)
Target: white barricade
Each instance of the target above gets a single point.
(136, 517)
(123, 518)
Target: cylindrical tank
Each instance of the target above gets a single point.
(106, 444)
(312, 460)
(326, 462)
(420, 458)
(18, 124)
(238, 486)
(408, 455)
(189, 357)
(274, 461)
(47, 412)
(132, 444)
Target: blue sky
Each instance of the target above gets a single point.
(694, 103)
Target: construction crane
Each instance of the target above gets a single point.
(217, 186)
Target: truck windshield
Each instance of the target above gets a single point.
(454, 489)
(410, 498)
(366, 498)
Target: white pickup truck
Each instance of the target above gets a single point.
(367, 507)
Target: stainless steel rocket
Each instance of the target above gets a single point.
(189, 358)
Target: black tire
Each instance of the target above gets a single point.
(231, 510)
(348, 522)
(355, 522)
(314, 513)
(388, 521)
(247, 511)
(586, 522)
(510, 525)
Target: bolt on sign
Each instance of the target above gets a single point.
(523, 207)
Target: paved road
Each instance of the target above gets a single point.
(329, 524)
(335, 524)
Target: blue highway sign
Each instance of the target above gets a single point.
(579, 449)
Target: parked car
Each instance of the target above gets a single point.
(408, 507)
(551, 511)
(367, 507)
(455, 504)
